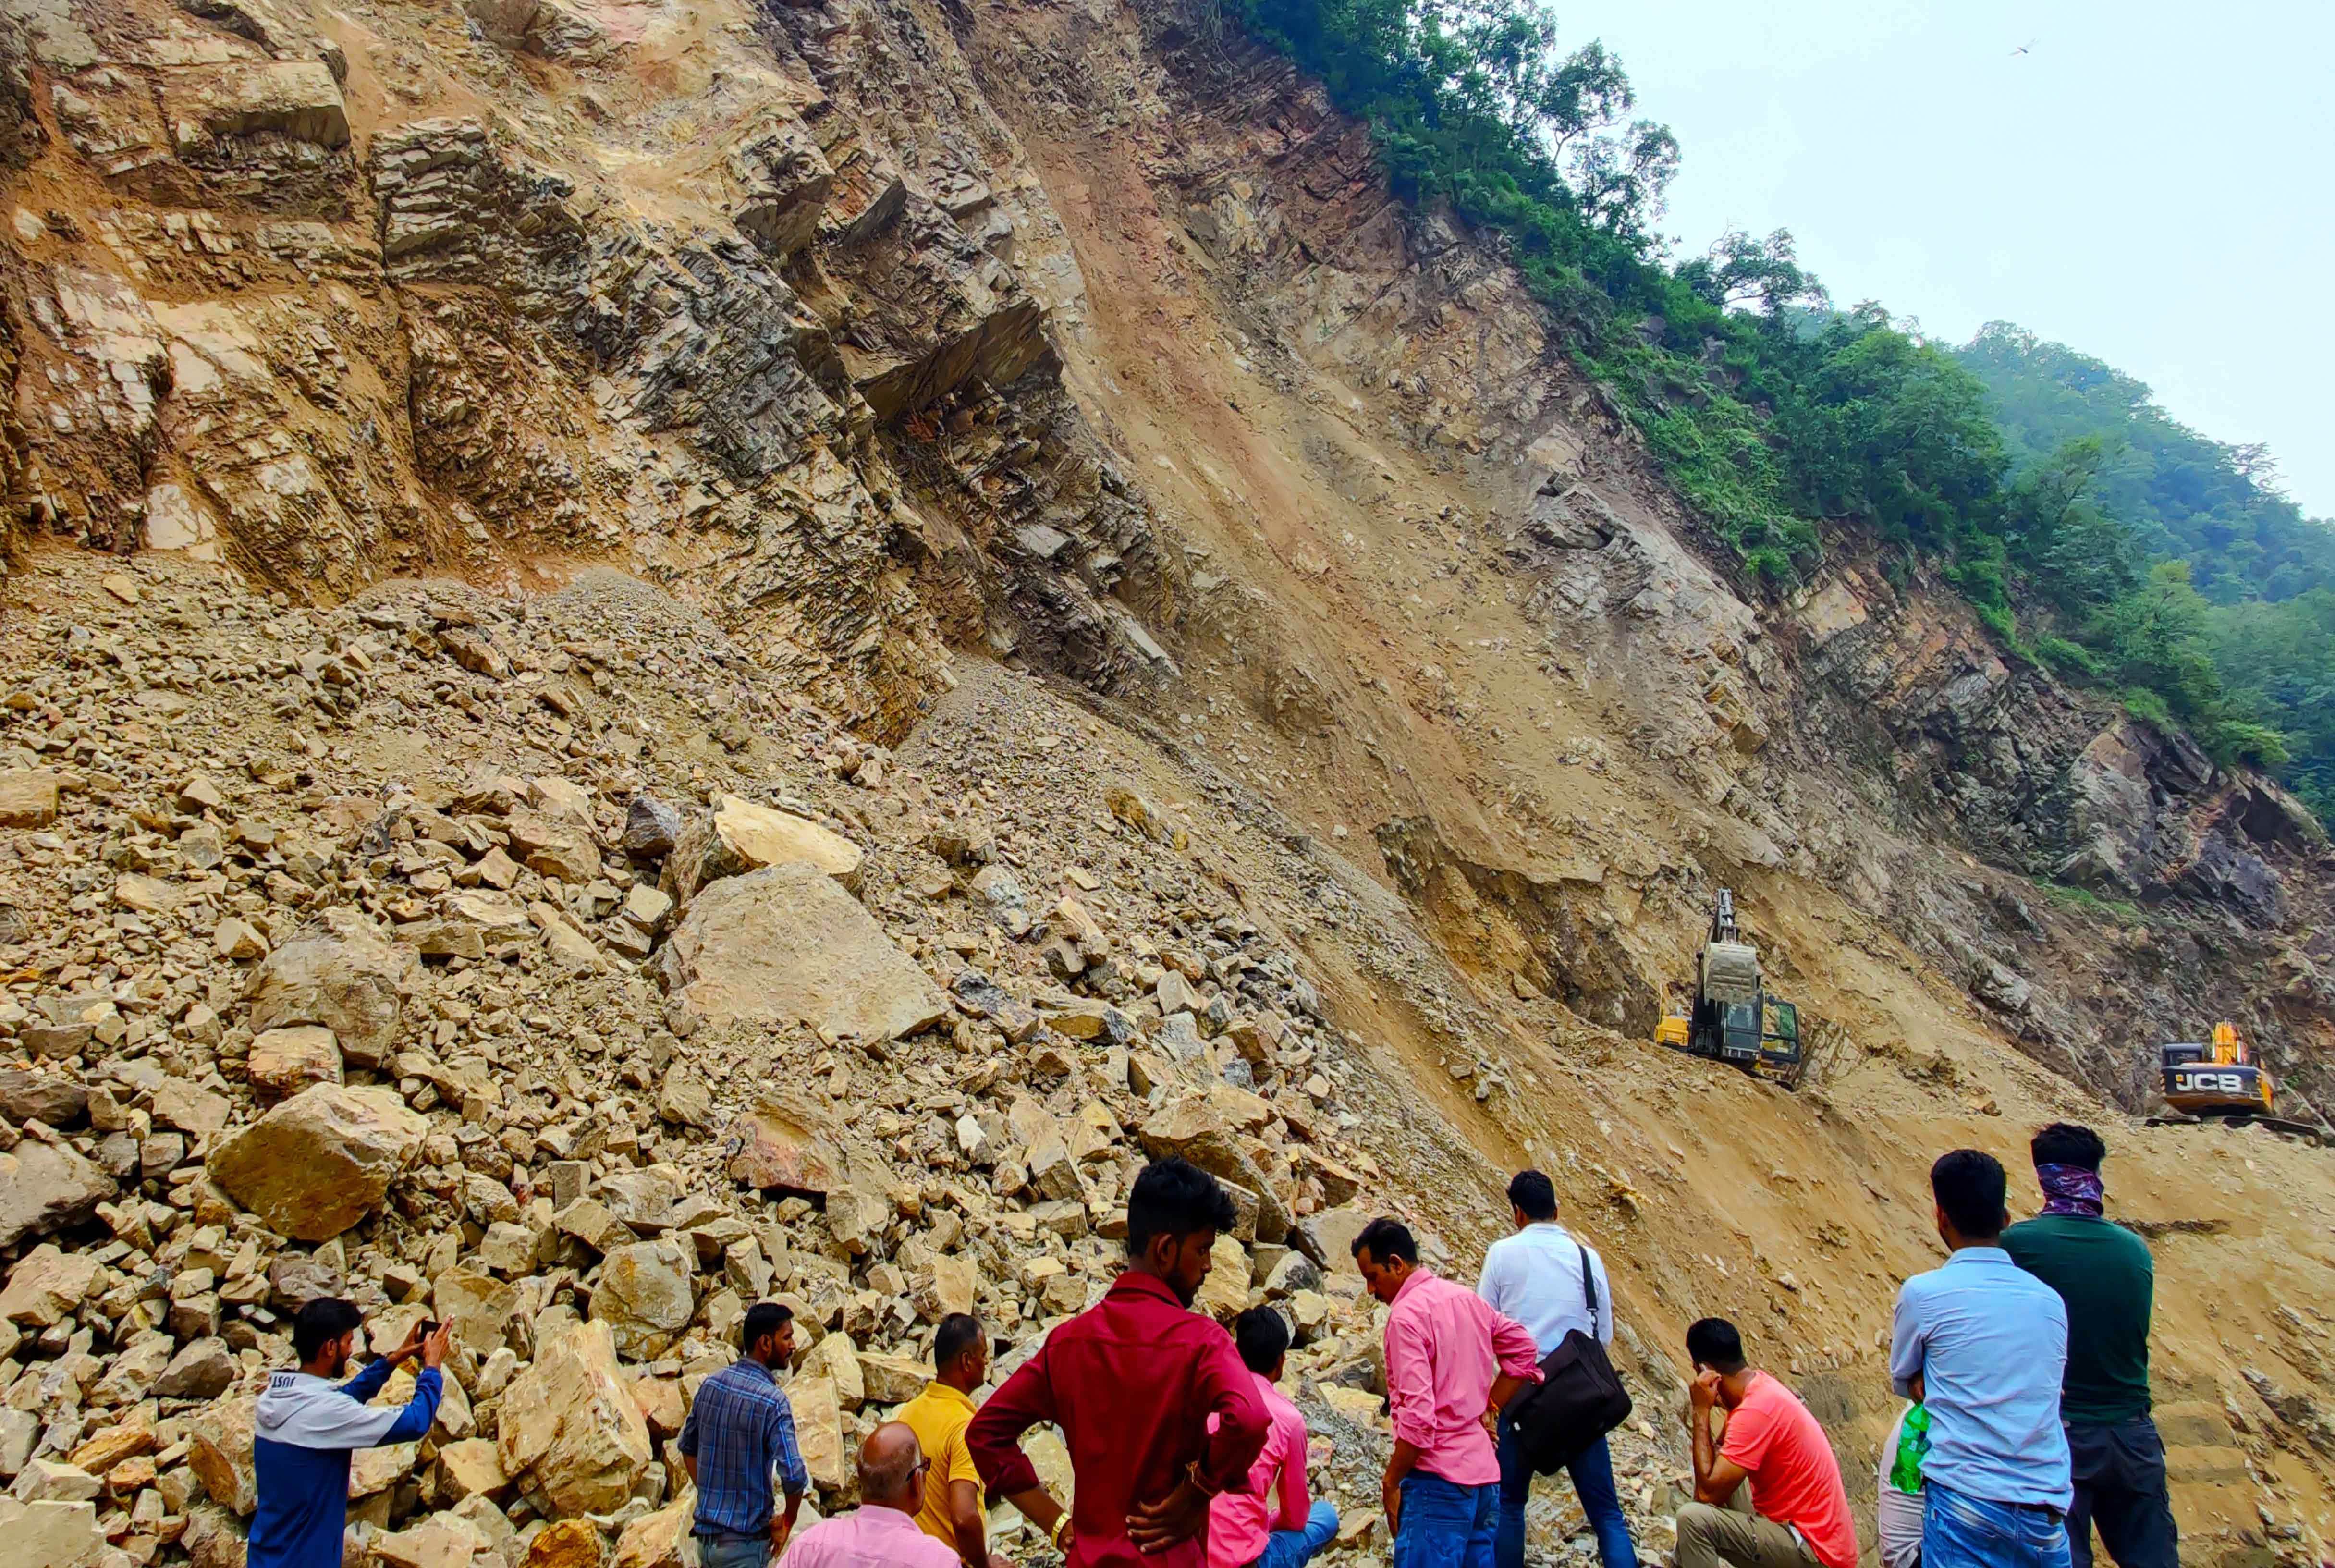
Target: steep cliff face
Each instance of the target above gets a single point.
(334, 294)
(1083, 335)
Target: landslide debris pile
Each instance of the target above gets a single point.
(561, 1037)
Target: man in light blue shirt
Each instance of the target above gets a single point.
(1982, 1343)
(1538, 1277)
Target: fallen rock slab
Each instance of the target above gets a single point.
(321, 1161)
(28, 797)
(739, 837)
(44, 1187)
(568, 1431)
(284, 1061)
(352, 985)
(787, 943)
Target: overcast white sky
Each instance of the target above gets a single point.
(2153, 183)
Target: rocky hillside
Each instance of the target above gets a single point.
(660, 654)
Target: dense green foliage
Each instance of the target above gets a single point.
(2089, 529)
(2235, 627)
(2181, 494)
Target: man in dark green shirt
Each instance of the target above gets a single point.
(2104, 1273)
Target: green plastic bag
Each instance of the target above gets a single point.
(1913, 1448)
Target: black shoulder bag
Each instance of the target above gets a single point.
(1578, 1400)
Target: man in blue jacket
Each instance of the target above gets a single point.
(308, 1421)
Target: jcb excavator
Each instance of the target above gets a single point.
(1734, 1018)
(2216, 1079)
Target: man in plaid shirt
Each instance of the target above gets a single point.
(740, 1428)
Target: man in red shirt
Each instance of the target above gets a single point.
(1800, 1515)
(1132, 1382)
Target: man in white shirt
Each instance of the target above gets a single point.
(1536, 1277)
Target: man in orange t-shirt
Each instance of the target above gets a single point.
(1799, 1516)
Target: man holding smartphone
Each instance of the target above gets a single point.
(308, 1421)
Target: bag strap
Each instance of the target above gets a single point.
(1588, 1287)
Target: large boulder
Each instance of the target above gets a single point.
(321, 1161)
(52, 1534)
(41, 1097)
(1328, 1237)
(480, 1306)
(646, 1295)
(44, 1187)
(1201, 1127)
(739, 837)
(28, 797)
(567, 1430)
(46, 1286)
(787, 943)
(565, 1544)
(653, 1540)
(204, 1369)
(819, 1429)
(221, 1454)
(352, 983)
(554, 843)
(286, 1060)
(781, 1146)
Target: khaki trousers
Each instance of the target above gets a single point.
(1710, 1537)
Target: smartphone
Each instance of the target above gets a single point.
(428, 1327)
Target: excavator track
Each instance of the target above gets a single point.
(2272, 1123)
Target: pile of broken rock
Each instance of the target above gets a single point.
(584, 1073)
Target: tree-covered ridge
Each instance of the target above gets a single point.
(2087, 529)
(2182, 494)
(2242, 585)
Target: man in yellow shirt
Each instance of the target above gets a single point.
(951, 1512)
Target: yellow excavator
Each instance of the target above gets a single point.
(2219, 1080)
(1734, 1018)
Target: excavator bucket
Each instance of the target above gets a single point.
(1731, 973)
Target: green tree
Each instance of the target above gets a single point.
(2078, 556)
(1739, 271)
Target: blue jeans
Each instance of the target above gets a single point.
(734, 1550)
(1295, 1548)
(1592, 1483)
(1445, 1524)
(1959, 1530)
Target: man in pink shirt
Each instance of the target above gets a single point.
(882, 1531)
(1452, 1361)
(1244, 1530)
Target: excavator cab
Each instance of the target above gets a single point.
(1732, 1018)
(1779, 1042)
(2215, 1079)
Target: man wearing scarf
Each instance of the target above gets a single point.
(2104, 1274)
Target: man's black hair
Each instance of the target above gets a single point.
(1387, 1239)
(1175, 1197)
(764, 1319)
(1534, 1195)
(321, 1320)
(958, 1332)
(2065, 1143)
(1968, 1185)
(1262, 1339)
(1714, 1342)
